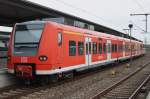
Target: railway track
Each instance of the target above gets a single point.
(128, 87)
(76, 89)
(23, 92)
(15, 91)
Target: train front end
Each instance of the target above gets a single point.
(26, 54)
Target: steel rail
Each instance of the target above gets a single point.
(105, 91)
(135, 93)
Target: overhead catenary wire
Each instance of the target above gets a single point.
(137, 26)
(87, 12)
(147, 3)
(139, 5)
(77, 8)
(145, 38)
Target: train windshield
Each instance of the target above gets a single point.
(27, 38)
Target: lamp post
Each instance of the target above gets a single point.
(127, 31)
(130, 27)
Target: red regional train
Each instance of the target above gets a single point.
(44, 48)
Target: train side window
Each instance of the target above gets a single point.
(113, 48)
(72, 48)
(104, 47)
(100, 48)
(94, 48)
(80, 48)
(59, 38)
(126, 47)
(121, 48)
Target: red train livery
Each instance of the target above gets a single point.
(45, 48)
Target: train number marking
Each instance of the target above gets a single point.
(24, 59)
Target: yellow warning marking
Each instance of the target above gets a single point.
(78, 33)
(74, 33)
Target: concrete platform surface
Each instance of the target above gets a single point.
(148, 97)
(3, 63)
(6, 80)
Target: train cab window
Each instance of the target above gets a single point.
(94, 48)
(72, 48)
(80, 48)
(104, 47)
(100, 48)
(27, 39)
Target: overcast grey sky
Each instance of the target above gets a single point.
(112, 13)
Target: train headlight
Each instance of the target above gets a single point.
(43, 58)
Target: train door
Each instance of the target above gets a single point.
(108, 49)
(88, 51)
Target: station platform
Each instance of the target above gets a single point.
(148, 97)
(3, 61)
(6, 80)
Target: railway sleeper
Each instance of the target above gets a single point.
(117, 97)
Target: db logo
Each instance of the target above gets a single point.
(24, 59)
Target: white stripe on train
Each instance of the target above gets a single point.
(77, 67)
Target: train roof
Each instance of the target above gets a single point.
(42, 22)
